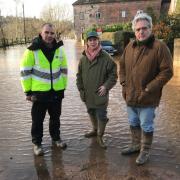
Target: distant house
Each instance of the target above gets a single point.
(102, 12)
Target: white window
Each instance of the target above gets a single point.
(123, 14)
(98, 15)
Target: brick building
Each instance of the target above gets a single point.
(103, 12)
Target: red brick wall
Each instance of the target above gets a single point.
(110, 13)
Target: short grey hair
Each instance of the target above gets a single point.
(140, 15)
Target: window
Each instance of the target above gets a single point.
(98, 15)
(123, 14)
(82, 29)
(81, 16)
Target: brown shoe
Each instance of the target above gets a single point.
(93, 133)
(101, 142)
(142, 158)
(131, 149)
(60, 144)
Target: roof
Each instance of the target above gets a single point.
(82, 2)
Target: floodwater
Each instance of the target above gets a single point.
(83, 159)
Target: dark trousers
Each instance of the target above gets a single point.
(38, 113)
(98, 113)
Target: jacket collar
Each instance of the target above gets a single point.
(148, 43)
(83, 53)
(37, 43)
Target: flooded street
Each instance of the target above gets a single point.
(83, 159)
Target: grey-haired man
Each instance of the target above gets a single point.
(145, 67)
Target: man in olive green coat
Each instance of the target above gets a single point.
(97, 74)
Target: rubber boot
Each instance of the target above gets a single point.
(136, 141)
(94, 125)
(101, 129)
(145, 148)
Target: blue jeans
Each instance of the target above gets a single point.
(98, 113)
(143, 117)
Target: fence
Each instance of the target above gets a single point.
(11, 42)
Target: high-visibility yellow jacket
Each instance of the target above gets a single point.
(38, 74)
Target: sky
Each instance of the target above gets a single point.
(32, 8)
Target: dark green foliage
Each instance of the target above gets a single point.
(173, 24)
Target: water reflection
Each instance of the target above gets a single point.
(41, 168)
(83, 159)
(97, 165)
(58, 171)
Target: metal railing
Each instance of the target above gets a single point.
(11, 42)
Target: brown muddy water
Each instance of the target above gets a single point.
(83, 159)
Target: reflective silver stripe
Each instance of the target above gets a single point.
(56, 75)
(26, 77)
(40, 74)
(64, 70)
(46, 76)
(41, 79)
(46, 70)
(46, 80)
(60, 54)
(36, 57)
(25, 68)
(40, 69)
(60, 78)
(56, 80)
(26, 73)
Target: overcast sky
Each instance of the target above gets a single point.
(32, 7)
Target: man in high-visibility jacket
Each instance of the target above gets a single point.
(44, 79)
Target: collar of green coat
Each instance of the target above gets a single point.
(83, 53)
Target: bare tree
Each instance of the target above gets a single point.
(17, 3)
(56, 12)
(2, 30)
(60, 16)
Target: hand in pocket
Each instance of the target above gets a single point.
(142, 96)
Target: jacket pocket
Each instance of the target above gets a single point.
(100, 100)
(33, 98)
(142, 96)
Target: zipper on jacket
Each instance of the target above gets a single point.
(51, 76)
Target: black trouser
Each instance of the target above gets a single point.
(38, 113)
